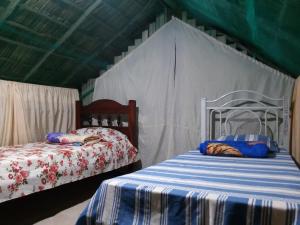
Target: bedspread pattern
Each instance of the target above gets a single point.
(25, 169)
(206, 190)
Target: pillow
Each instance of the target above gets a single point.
(89, 130)
(272, 145)
(234, 148)
(107, 134)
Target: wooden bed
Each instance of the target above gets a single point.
(37, 206)
(109, 109)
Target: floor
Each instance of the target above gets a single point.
(65, 217)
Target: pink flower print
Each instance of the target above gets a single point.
(73, 132)
(41, 187)
(29, 163)
(44, 181)
(12, 187)
(40, 163)
(52, 178)
(132, 152)
(119, 138)
(45, 171)
(100, 163)
(53, 168)
(111, 132)
(108, 144)
(120, 154)
(66, 153)
(19, 179)
(24, 174)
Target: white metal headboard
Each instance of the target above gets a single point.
(270, 115)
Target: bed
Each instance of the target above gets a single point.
(34, 167)
(199, 189)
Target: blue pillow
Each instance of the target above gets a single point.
(234, 148)
(272, 145)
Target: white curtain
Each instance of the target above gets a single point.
(169, 73)
(147, 77)
(30, 111)
(295, 150)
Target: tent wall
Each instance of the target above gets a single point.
(169, 73)
(146, 75)
(208, 68)
(87, 91)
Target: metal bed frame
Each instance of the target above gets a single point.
(242, 107)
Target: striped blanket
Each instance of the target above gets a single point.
(197, 189)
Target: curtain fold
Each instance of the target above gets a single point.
(295, 150)
(30, 111)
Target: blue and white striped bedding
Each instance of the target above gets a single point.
(197, 189)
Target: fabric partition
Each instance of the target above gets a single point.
(29, 111)
(147, 77)
(208, 68)
(169, 73)
(295, 150)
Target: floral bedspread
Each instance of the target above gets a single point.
(29, 168)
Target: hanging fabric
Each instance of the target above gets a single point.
(30, 111)
(168, 75)
(295, 149)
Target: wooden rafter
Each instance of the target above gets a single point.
(63, 38)
(102, 47)
(110, 29)
(11, 7)
(35, 48)
(116, 10)
(43, 35)
(49, 18)
(12, 61)
(94, 17)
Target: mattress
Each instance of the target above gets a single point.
(33, 167)
(198, 189)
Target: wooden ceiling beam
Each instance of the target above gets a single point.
(116, 10)
(102, 47)
(94, 17)
(63, 38)
(27, 29)
(11, 7)
(49, 18)
(30, 65)
(35, 48)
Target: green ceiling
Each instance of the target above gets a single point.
(66, 42)
(271, 28)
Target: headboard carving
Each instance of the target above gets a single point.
(105, 110)
(242, 108)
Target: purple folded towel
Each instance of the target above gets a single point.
(53, 137)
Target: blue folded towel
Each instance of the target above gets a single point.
(246, 148)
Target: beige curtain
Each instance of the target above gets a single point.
(28, 112)
(296, 122)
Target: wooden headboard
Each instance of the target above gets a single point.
(109, 110)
